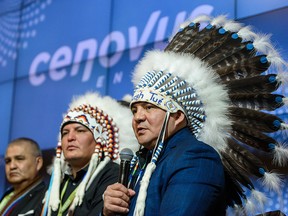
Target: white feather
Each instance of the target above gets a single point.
(260, 199)
(276, 61)
(284, 126)
(232, 26)
(281, 154)
(282, 77)
(237, 210)
(262, 43)
(219, 20)
(202, 18)
(247, 34)
(272, 181)
(250, 207)
(127, 98)
(54, 200)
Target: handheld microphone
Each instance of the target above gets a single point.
(126, 156)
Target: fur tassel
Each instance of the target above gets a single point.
(101, 165)
(54, 200)
(140, 203)
(82, 187)
(78, 201)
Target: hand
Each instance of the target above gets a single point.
(117, 199)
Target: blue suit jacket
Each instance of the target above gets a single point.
(188, 180)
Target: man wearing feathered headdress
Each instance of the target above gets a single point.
(196, 107)
(91, 134)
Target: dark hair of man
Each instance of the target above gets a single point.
(35, 146)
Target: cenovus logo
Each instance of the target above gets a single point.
(57, 62)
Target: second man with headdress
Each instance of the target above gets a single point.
(92, 133)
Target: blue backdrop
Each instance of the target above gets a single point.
(51, 50)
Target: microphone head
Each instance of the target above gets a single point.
(126, 154)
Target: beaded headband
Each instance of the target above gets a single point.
(159, 99)
(103, 128)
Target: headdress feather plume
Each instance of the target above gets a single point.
(234, 76)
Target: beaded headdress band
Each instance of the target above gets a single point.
(102, 126)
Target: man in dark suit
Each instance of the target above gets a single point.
(23, 162)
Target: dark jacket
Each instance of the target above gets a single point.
(31, 203)
(92, 201)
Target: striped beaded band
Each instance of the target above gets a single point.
(171, 93)
(151, 96)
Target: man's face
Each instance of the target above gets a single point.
(147, 122)
(21, 164)
(78, 144)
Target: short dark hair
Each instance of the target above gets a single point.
(35, 146)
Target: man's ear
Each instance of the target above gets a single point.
(39, 162)
(180, 118)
